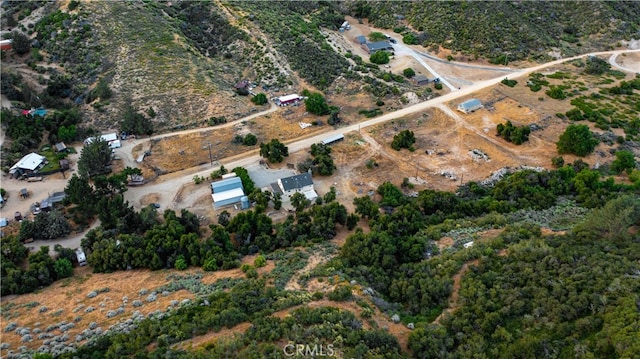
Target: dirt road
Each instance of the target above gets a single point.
(401, 49)
(169, 185)
(633, 67)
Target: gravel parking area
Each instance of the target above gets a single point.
(263, 176)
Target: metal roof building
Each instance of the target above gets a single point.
(420, 80)
(378, 46)
(30, 162)
(470, 105)
(227, 191)
(332, 139)
(361, 40)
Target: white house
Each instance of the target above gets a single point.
(28, 163)
(299, 183)
(111, 138)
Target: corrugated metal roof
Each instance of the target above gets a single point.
(380, 45)
(219, 198)
(471, 104)
(233, 182)
(288, 98)
(332, 139)
(29, 162)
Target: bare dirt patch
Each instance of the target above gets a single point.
(150, 198)
(444, 242)
(211, 337)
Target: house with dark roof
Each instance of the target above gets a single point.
(420, 80)
(470, 105)
(361, 40)
(374, 47)
(302, 183)
(242, 87)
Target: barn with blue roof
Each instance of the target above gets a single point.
(227, 192)
(470, 105)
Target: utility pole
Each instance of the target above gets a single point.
(210, 155)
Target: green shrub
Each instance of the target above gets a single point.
(624, 161)
(404, 139)
(511, 133)
(379, 57)
(249, 140)
(181, 263)
(260, 99)
(260, 261)
(341, 293)
(510, 83)
(556, 92)
(557, 161)
(577, 139)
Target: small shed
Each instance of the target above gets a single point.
(24, 193)
(60, 147)
(470, 105)
(420, 80)
(332, 139)
(361, 40)
(64, 164)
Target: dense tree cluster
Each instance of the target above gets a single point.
(404, 139)
(322, 162)
(274, 151)
(95, 158)
(316, 104)
(41, 271)
(379, 57)
(577, 139)
(547, 288)
(511, 133)
(391, 257)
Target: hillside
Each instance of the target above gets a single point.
(517, 29)
(509, 229)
